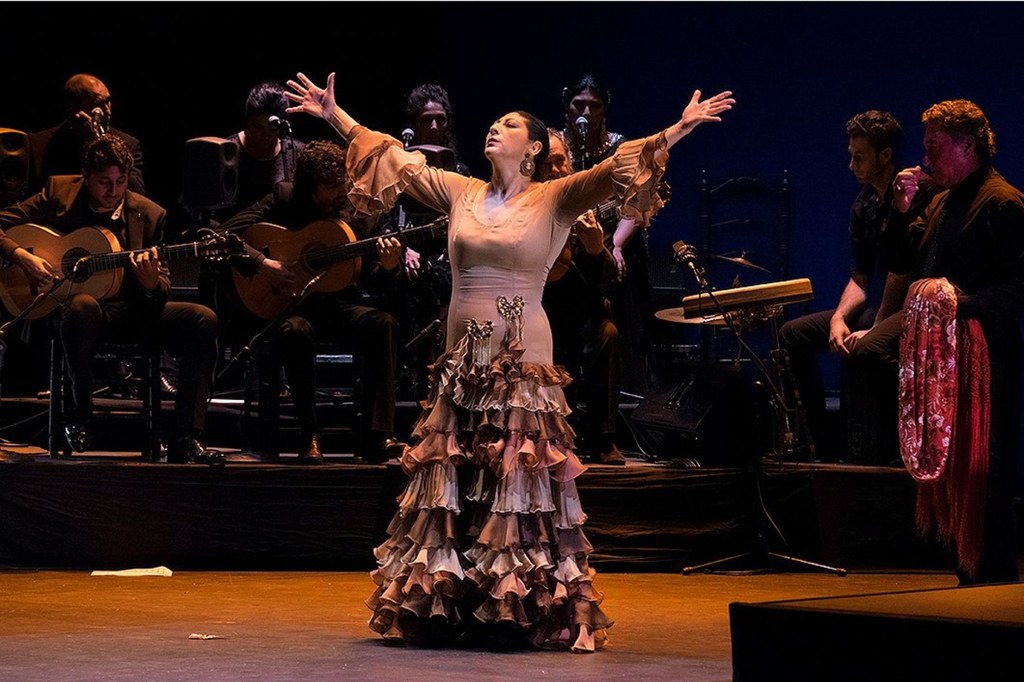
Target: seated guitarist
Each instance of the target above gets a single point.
(319, 193)
(139, 311)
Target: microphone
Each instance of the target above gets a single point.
(687, 255)
(309, 285)
(581, 126)
(281, 124)
(684, 253)
(82, 262)
(99, 120)
(407, 136)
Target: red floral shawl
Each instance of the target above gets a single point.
(944, 380)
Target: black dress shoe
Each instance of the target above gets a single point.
(389, 448)
(79, 434)
(191, 451)
(310, 452)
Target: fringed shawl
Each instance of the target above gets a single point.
(944, 381)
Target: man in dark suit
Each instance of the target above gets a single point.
(58, 150)
(139, 310)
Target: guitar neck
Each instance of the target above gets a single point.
(610, 208)
(328, 256)
(119, 259)
(606, 210)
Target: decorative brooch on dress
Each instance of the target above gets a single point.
(512, 312)
(480, 340)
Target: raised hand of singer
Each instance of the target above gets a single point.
(146, 266)
(389, 250)
(37, 270)
(310, 98)
(699, 111)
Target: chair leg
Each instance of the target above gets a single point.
(58, 443)
(152, 404)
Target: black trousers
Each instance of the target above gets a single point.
(374, 335)
(870, 391)
(589, 348)
(187, 331)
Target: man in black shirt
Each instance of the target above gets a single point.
(872, 292)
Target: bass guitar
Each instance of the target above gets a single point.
(324, 249)
(605, 212)
(88, 261)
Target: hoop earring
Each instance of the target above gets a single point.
(527, 167)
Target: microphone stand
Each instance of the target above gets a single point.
(761, 549)
(245, 354)
(297, 299)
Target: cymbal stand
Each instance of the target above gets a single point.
(761, 520)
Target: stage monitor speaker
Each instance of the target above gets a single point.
(705, 414)
(211, 172)
(14, 165)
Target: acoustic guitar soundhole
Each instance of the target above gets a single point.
(67, 264)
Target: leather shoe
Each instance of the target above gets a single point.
(390, 448)
(611, 455)
(79, 434)
(167, 386)
(310, 452)
(191, 451)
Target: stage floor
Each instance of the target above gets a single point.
(68, 625)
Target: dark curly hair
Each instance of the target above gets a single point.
(105, 151)
(432, 92)
(880, 128)
(319, 162)
(963, 119)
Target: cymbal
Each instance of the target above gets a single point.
(740, 260)
(676, 315)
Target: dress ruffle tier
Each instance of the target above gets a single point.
(527, 558)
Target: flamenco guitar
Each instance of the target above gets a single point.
(325, 248)
(88, 261)
(605, 211)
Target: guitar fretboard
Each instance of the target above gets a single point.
(119, 259)
(318, 259)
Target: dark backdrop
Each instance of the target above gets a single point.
(799, 71)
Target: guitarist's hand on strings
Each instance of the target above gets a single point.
(146, 266)
(37, 270)
(276, 271)
(389, 250)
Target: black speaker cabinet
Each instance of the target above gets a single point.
(211, 172)
(705, 414)
(14, 165)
